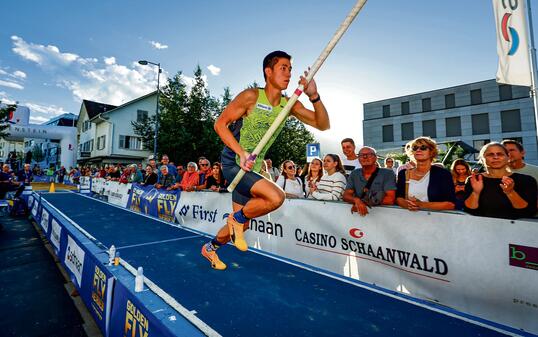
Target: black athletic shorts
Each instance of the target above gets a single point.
(241, 193)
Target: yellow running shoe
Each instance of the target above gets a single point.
(212, 256)
(236, 233)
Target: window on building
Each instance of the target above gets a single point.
(450, 101)
(130, 142)
(505, 92)
(141, 115)
(388, 133)
(386, 110)
(480, 124)
(405, 108)
(426, 104)
(476, 96)
(91, 145)
(429, 128)
(101, 142)
(453, 126)
(477, 144)
(86, 126)
(511, 120)
(407, 131)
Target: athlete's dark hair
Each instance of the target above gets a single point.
(271, 59)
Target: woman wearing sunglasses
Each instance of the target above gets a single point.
(426, 186)
(292, 185)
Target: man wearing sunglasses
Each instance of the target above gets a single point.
(370, 185)
(241, 126)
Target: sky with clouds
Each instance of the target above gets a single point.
(54, 54)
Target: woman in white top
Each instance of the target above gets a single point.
(292, 185)
(332, 184)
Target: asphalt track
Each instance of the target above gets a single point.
(257, 295)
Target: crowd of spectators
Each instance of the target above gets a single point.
(505, 186)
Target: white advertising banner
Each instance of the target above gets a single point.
(118, 194)
(512, 42)
(55, 234)
(45, 220)
(98, 185)
(74, 259)
(34, 208)
(30, 201)
(481, 266)
(85, 183)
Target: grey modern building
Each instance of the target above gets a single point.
(475, 113)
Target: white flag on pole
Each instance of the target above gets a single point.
(512, 42)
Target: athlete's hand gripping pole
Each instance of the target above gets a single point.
(313, 70)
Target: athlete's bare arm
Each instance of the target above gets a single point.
(238, 107)
(319, 118)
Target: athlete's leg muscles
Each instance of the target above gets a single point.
(267, 197)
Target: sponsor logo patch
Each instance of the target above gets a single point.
(523, 256)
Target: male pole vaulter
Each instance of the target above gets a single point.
(249, 115)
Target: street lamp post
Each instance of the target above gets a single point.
(144, 62)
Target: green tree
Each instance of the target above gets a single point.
(5, 113)
(186, 120)
(291, 143)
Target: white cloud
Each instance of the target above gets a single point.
(4, 98)
(47, 56)
(90, 78)
(11, 85)
(49, 110)
(158, 45)
(109, 60)
(214, 70)
(19, 74)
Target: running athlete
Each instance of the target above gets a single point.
(241, 126)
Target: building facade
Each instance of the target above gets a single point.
(475, 113)
(105, 133)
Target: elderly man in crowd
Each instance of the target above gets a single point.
(171, 168)
(166, 179)
(370, 185)
(135, 175)
(25, 175)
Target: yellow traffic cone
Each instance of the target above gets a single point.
(52, 189)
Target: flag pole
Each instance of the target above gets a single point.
(532, 50)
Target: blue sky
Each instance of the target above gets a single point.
(53, 54)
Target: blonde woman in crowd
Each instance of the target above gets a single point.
(426, 186)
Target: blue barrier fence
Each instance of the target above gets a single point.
(107, 291)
